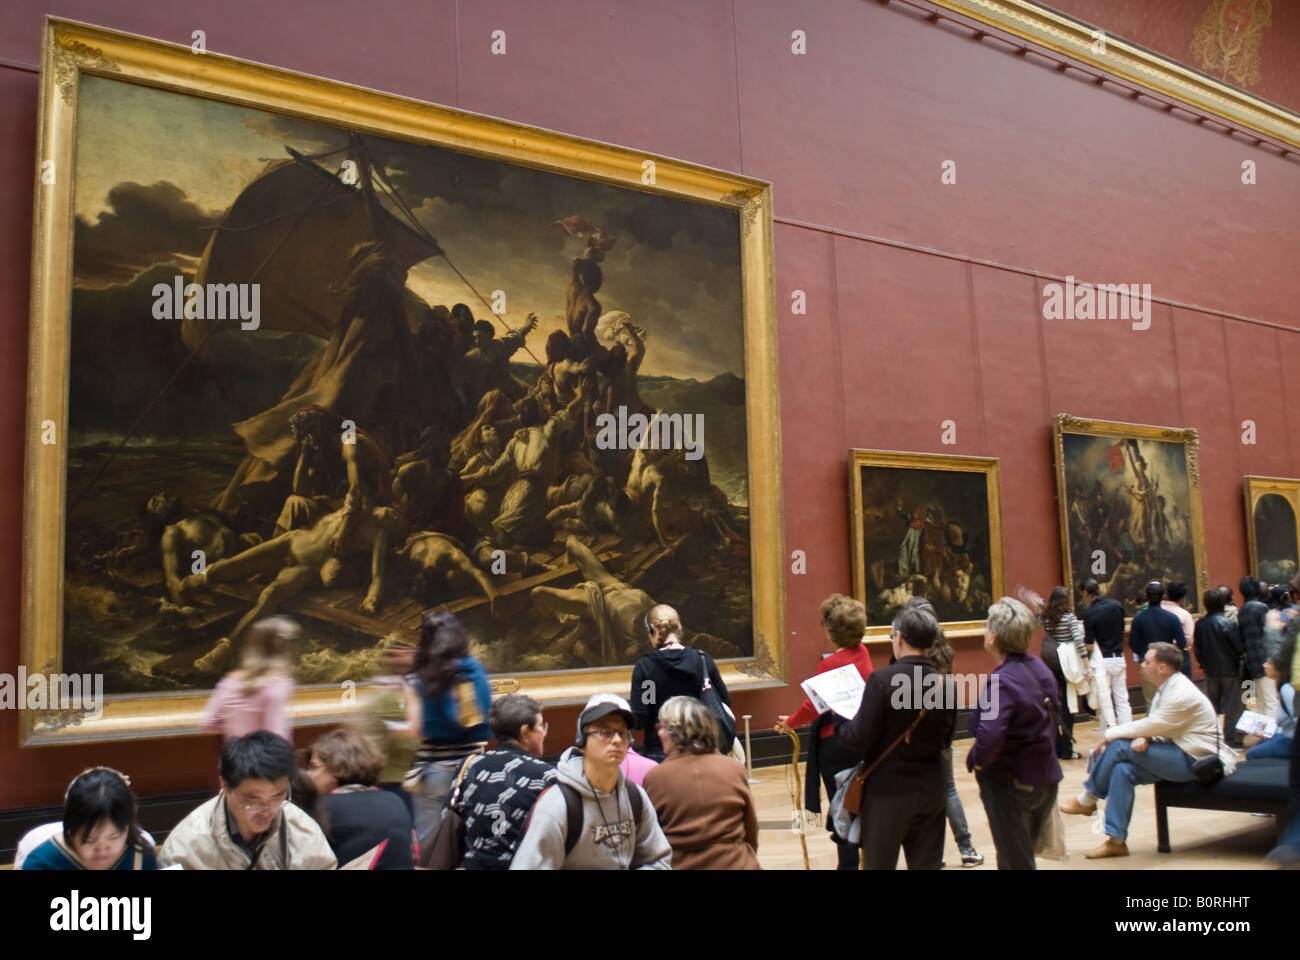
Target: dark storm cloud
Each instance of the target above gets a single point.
(145, 225)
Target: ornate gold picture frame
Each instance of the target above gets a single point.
(77, 57)
(1129, 500)
(924, 524)
(1273, 527)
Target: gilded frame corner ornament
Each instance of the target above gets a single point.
(1188, 437)
(74, 49)
(989, 467)
(1253, 489)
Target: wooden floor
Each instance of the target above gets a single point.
(1201, 839)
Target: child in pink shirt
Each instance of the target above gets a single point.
(257, 695)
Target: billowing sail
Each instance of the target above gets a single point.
(291, 230)
(309, 240)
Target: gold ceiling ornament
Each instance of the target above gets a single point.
(1125, 62)
(1226, 44)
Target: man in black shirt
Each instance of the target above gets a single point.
(1155, 624)
(1103, 633)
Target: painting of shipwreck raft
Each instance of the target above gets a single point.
(349, 377)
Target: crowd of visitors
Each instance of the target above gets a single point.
(684, 802)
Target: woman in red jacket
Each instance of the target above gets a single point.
(845, 621)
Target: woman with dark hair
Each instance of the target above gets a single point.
(941, 655)
(447, 702)
(354, 813)
(1061, 626)
(100, 831)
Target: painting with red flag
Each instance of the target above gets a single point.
(1130, 506)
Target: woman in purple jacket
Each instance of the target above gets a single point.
(1014, 756)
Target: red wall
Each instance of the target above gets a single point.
(1054, 174)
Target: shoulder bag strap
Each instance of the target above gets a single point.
(905, 735)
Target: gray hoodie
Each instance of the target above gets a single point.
(610, 840)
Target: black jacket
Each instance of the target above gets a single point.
(360, 820)
(663, 674)
(1217, 646)
(1103, 623)
(1155, 625)
(1250, 626)
(915, 765)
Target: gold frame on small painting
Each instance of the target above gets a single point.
(1063, 423)
(72, 49)
(1255, 487)
(988, 466)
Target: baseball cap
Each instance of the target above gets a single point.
(602, 705)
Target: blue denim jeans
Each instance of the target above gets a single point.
(1278, 746)
(1121, 768)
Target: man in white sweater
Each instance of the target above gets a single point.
(1179, 728)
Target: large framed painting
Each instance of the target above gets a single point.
(303, 348)
(1129, 497)
(925, 525)
(1273, 527)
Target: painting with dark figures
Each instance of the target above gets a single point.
(1275, 539)
(394, 400)
(1273, 527)
(1132, 510)
(926, 526)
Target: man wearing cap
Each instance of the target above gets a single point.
(592, 818)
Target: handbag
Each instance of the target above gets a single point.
(856, 786)
(1209, 770)
(718, 707)
(447, 847)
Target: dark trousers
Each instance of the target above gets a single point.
(832, 758)
(1225, 694)
(1067, 718)
(913, 821)
(1016, 814)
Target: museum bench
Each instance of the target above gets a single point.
(1256, 786)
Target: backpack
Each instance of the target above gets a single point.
(573, 811)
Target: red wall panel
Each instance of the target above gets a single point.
(1054, 176)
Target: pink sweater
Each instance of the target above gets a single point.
(635, 767)
(234, 714)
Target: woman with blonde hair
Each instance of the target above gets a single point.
(256, 695)
(702, 798)
(671, 669)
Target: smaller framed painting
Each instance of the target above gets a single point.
(925, 525)
(1273, 527)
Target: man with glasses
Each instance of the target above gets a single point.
(251, 824)
(593, 818)
(495, 790)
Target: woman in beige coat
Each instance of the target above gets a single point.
(702, 798)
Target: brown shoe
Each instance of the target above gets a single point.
(1074, 806)
(1111, 848)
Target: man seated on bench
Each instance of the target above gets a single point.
(1180, 727)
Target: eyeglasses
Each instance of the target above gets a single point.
(271, 807)
(609, 733)
(543, 726)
